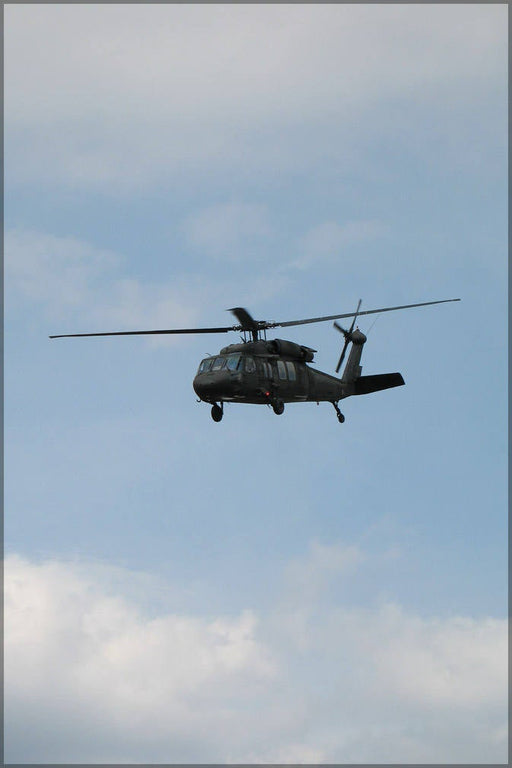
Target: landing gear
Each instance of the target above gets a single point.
(278, 406)
(217, 412)
(339, 414)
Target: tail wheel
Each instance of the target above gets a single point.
(217, 412)
(339, 414)
(278, 406)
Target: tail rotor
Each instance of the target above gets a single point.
(347, 335)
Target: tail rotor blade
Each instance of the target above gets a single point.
(340, 329)
(347, 335)
(355, 316)
(342, 356)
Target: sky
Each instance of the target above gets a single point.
(269, 589)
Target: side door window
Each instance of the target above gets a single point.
(249, 365)
(290, 367)
(281, 369)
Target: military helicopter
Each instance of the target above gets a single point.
(275, 371)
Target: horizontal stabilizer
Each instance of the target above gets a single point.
(366, 384)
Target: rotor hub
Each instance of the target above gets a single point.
(357, 337)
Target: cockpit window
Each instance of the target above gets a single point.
(218, 363)
(232, 362)
(206, 365)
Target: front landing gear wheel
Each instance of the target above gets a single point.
(217, 412)
(278, 406)
(339, 414)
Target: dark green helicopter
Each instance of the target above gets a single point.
(274, 372)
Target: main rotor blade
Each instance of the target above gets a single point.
(258, 324)
(246, 320)
(145, 333)
(351, 314)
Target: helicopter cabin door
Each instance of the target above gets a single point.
(289, 380)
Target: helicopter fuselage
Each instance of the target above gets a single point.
(263, 372)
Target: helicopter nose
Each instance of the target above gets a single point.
(214, 386)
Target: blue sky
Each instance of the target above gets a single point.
(267, 589)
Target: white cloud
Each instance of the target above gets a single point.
(50, 269)
(69, 644)
(236, 59)
(90, 676)
(307, 576)
(68, 278)
(146, 305)
(334, 242)
(121, 95)
(228, 230)
(294, 753)
(460, 660)
(88, 288)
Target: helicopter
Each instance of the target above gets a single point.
(275, 371)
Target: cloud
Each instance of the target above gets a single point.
(228, 230)
(459, 660)
(237, 60)
(49, 269)
(68, 278)
(331, 241)
(75, 647)
(256, 87)
(89, 288)
(90, 675)
(308, 576)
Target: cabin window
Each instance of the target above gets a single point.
(218, 363)
(290, 367)
(249, 365)
(281, 369)
(206, 365)
(232, 362)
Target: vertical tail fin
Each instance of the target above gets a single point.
(355, 384)
(353, 368)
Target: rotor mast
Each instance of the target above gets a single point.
(247, 322)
